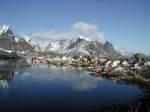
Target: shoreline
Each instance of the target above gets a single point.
(138, 105)
(141, 105)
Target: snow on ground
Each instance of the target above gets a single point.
(8, 51)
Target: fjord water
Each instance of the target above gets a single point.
(42, 87)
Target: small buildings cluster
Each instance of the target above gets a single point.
(118, 67)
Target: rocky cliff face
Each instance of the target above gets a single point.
(82, 46)
(68, 47)
(7, 38)
(23, 45)
(10, 41)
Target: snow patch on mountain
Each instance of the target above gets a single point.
(10, 41)
(54, 46)
(81, 46)
(4, 29)
(82, 37)
(17, 39)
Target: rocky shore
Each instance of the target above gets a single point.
(135, 72)
(121, 69)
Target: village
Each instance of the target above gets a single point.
(133, 70)
(126, 68)
(136, 67)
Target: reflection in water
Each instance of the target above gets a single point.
(84, 84)
(58, 89)
(4, 83)
(5, 77)
(9, 70)
(79, 79)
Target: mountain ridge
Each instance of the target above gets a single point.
(78, 45)
(82, 46)
(10, 41)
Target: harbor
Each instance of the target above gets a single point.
(43, 87)
(128, 72)
(74, 56)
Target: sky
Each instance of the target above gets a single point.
(125, 23)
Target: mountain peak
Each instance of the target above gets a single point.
(108, 47)
(4, 28)
(84, 38)
(9, 41)
(81, 46)
(6, 33)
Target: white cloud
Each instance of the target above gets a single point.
(43, 38)
(81, 28)
(84, 27)
(88, 30)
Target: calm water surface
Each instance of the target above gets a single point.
(42, 87)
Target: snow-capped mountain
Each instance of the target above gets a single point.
(22, 44)
(10, 41)
(4, 29)
(6, 37)
(82, 46)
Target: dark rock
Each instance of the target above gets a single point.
(8, 42)
(81, 46)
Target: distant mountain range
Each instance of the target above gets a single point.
(68, 47)
(82, 46)
(12, 42)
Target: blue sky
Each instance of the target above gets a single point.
(126, 23)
